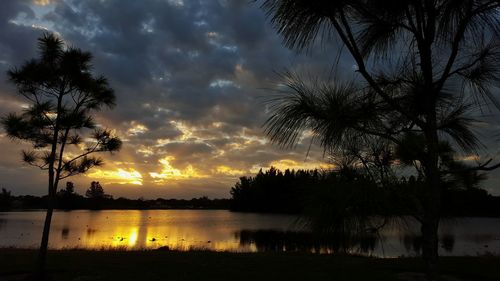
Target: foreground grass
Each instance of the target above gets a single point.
(201, 265)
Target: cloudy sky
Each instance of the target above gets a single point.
(191, 78)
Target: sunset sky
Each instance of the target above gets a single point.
(191, 78)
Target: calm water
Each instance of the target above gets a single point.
(225, 231)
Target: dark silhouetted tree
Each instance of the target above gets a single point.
(5, 199)
(274, 191)
(62, 93)
(424, 67)
(67, 198)
(96, 195)
(95, 191)
(70, 188)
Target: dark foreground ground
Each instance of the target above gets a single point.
(205, 266)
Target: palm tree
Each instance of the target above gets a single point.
(63, 94)
(424, 68)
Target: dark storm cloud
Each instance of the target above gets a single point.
(185, 150)
(190, 76)
(169, 53)
(182, 49)
(15, 38)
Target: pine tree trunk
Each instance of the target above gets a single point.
(432, 206)
(42, 254)
(430, 226)
(430, 247)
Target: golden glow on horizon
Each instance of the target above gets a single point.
(226, 170)
(119, 176)
(169, 172)
(284, 164)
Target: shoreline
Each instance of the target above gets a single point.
(462, 216)
(207, 265)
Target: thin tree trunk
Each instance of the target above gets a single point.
(52, 185)
(42, 254)
(430, 226)
(430, 248)
(432, 206)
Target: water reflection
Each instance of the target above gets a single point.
(448, 242)
(412, 243)
(226, 231)
(65, 233)
(293, 241)
(90, 232)
(367, 244)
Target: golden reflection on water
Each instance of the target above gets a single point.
(210, 230)
(132, 240)
(152, 229)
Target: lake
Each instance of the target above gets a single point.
(221, 230)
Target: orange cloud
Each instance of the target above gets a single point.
(169, 172)
(42, 2)
(119, 176)
(284, 164)
(226, 170)
(136, 129)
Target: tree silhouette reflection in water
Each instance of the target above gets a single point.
(414, 242)
(448, 242)
(235, 232)
(65, 233)
(294, 241)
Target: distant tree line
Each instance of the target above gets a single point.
(334, 193)
(95, 198)
(274, 191)
(319, 193)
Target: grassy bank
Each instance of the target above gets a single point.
(171, 265)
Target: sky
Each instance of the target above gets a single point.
(191, 79)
